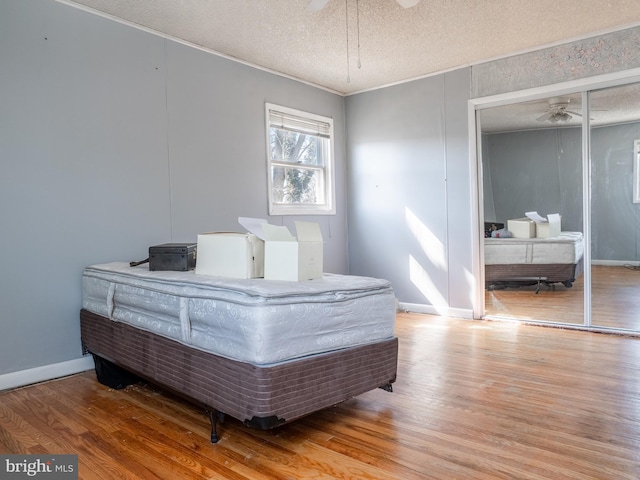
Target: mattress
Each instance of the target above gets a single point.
(566, 248)
(262, 322)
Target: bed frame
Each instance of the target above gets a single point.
(260, 397)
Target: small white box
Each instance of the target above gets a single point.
(286, 258)
(229, 254)
(550, 228)
(521, 227)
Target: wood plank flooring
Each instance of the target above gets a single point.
(615, 299)
(474, 400)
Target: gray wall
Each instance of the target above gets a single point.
(409, 189)
(542, 170)
(615, 220)
(112, 140)
(537, 170)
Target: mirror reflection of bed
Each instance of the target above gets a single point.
(518, 266)
(543, 261)
(531, 162)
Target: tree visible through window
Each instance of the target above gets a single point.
(300, 162)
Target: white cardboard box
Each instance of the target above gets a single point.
(521, 227)
(230, 254)
(288, 258)
(550, 227)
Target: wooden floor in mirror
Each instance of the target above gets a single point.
(474, 399)
(615, 300)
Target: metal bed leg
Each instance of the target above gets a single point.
(215, 416)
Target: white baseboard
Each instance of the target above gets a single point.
(46, 372)
(431, 310)
(615, 263)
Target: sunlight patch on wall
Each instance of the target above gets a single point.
(421, 279)
(429, 243)
(434, 250)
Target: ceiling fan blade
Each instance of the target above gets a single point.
(545, 117)
(315, 5)
(408, 3)
(573, 113)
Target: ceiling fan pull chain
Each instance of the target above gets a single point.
(346, 16)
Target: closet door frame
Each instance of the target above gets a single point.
(582, 86)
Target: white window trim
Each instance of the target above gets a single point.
(636, 171)
(328, 208)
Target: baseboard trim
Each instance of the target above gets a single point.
(615, 263)
(46, 372)
(431, 310)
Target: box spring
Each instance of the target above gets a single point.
(520, 272)
(259, 396)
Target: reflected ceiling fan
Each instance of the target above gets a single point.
(558, 111)
(320, 4)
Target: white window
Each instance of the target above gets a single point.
(300, 162)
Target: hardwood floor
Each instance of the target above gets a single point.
(615, 299)
(473, 400)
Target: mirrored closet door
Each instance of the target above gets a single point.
(576, 155)
(614, 131)
(532, 164)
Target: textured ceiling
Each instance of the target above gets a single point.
(607, 106)
(394, 44)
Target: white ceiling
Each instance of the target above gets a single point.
(395, 44)
(608, 106)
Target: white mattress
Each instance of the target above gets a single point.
(255, 320)
(566, 248)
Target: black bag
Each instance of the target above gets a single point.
(113, 376)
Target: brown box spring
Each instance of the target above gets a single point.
(551, 273)
(261, 397)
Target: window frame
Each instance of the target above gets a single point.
(278, 208)
(636, 171)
